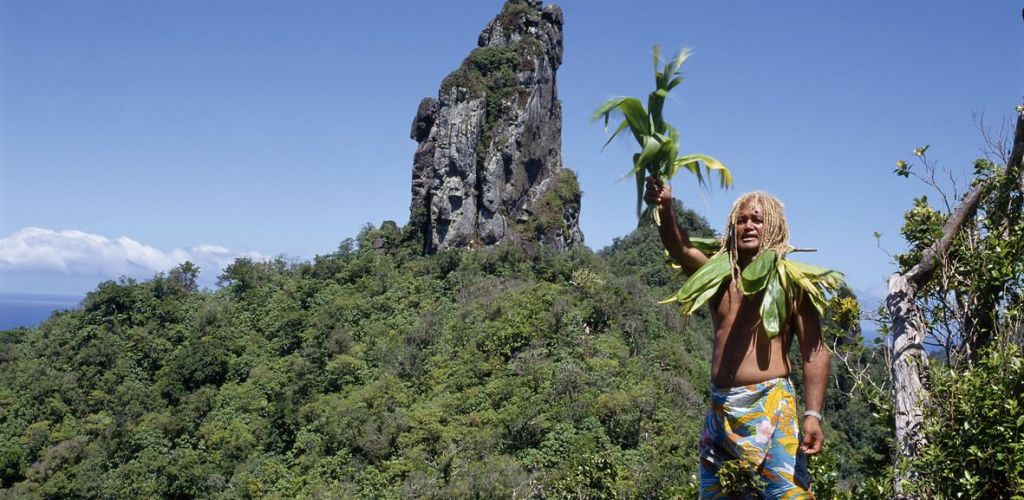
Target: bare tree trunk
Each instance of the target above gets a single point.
(909, 358)
(1017, 153)
(909, 361)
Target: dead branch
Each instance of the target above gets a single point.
(908, 327)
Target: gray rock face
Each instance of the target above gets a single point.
(488, 167)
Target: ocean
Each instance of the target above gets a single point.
(29, 310)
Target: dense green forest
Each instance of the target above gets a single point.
(509, 371)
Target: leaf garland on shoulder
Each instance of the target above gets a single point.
(702, 285)
(775, 274)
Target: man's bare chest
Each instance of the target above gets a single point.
(730, 308)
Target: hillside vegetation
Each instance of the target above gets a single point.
(508, 371)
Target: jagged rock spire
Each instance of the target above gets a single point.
(488, 167)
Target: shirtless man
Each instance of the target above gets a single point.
(753, 414)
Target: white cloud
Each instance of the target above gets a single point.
(873, 295)
(72, 252)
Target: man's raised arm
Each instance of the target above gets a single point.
(673, 237)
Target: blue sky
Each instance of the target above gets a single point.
(135, 134)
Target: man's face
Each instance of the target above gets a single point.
(749, 227)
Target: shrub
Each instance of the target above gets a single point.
(974, 424)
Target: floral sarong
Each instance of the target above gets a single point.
(756, 424)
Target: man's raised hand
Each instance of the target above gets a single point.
(658, 193)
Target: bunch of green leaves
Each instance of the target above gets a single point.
(658, 140)
(974, 423)
(769, 272)
(738, 479)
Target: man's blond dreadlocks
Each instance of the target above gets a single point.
(774, 236)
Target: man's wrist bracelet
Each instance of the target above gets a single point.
(812, 413)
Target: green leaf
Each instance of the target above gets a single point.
(782, 304)
(810, 288)
(640, 178)
(632, 110)
(757, 274)
(636, 115)
(650, 148)
(781, 269)
(704, 296)
(622, 126)
(673, 134)
(817, 274)
(692, 166)
(656, 57)
(711, 165)
(703, 284)
(606, 109)
(655, 105)
(673, 67)
(773, 306)
(634, 170)
(707, 246)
